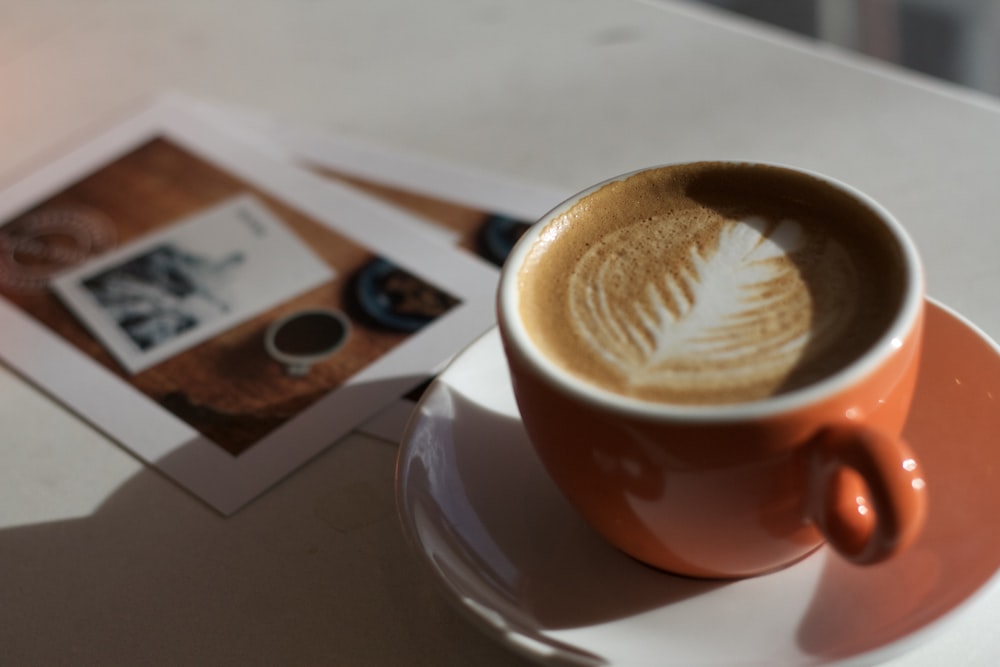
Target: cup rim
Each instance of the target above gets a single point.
(895, 336)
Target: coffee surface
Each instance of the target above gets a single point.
(710, 283)
(309, 334)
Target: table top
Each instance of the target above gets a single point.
(105, 561)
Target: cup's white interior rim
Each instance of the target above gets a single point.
(896, 335)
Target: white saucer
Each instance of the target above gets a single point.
(496, 533)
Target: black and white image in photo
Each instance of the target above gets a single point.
(170, 290)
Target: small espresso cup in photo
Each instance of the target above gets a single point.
(306, 337)
(714, 362)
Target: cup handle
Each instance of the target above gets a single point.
(866, 493)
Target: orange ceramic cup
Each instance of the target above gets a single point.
(738, 489)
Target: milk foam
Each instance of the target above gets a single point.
(709, 283)
(738, 311)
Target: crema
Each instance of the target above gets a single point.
(710, 283)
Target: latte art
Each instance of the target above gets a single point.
(709, 283)
(739, 306)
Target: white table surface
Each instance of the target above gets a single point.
(104, 561)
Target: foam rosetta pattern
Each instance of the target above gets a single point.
(730, 306)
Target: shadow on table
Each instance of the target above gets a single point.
(514, 542)
(952, 428)
(315, 572)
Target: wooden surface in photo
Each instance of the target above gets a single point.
(228, 387)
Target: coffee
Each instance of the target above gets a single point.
(310, 333)
(710, 283)
(306, 337)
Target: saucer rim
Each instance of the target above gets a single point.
(533, 644)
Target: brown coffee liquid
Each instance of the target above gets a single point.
(711, 283)
(309, 334)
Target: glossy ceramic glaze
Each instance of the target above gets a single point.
(733, 498)
(507, 547)
(733, 490)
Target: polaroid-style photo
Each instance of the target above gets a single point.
(224, 314)
(168, 291)
(478, 212)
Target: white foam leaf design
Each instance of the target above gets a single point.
(701, 309)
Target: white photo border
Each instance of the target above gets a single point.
(224, 481)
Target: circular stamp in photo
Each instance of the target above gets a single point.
(397, 300)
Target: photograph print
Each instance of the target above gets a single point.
(203, 266)
(168, 291)
(222, 314)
